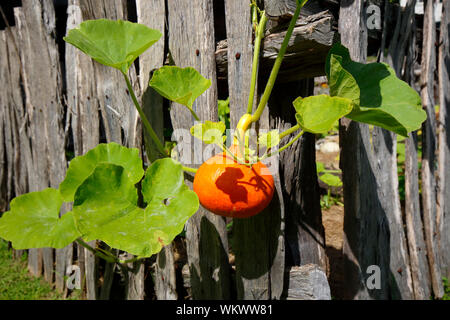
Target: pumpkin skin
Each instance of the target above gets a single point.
(231, 189)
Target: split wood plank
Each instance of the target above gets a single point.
(100, 97)
(4, 118)
(420, 273)
(191, 43)
(307, 282)
(250, 239)
(152, 14)
(363, 223)
(429, 146)
(40, 58)
(443, 215)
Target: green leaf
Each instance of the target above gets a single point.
(317, 114)
(320, 167)
(224, 111)
(331, 180)
(170, 203)
(209, 132)
(113, 43)
(179, 85)
(82, 167)
(269, 139)
(34, 222)
(380, 98)
(106, 208)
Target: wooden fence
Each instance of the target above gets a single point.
(55, 102)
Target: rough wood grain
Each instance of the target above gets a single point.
(414, 226)
(22, 150)
(420, 273)
(311, 40)
(305, 237)
(428, 66)
(153, 13)
(258, 242)
(307, 282)
(4, 110)
(362, 222)
(385, 150)
(165, 279)
(98, 95)
(40, 59)
(284, 9)
(191, 28)
(443, 214)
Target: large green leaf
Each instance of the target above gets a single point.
(181, 85)
(106, 208)
(82, 167)
(317, 114)
(209, 132)
(380, 98)
(34, 222)
(113, 43)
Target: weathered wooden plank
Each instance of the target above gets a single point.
(311, 40)
(414, 227)
(7, 125)
(98, 93)
(22, 151)
(428, 66)
(443, 214)
(420, 274)
(308, 282)
(240, 50)
(305, 237)
(253, 248)
(284, 9)
(153, 13)
(362, 221)
(3, 110)
(385, 151)
(191, 43)
(43, 98)
(165, 279)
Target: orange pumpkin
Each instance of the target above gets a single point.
(231, 189)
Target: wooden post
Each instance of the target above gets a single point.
(152, 14)
(363, 224)
(92, 87)
(443, 213)
(429, 143)
(40, 59)
(191, 43)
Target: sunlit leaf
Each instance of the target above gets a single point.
(380, 98)
(209, 132)
(82, 167)
(320, 167)
(181, 85)
(113, 43)
(33, 221)
(317, 114)
(106, 207)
